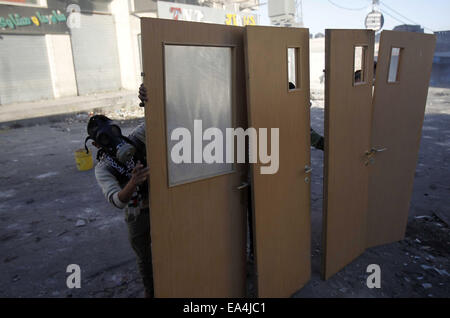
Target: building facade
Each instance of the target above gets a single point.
(59, 48)
(409, 28)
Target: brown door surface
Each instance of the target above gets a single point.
(399, 106)
(348, 110)
(198, 217)
(281, 200)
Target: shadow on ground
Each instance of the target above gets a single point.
(52, 215)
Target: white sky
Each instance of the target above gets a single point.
(321, 14)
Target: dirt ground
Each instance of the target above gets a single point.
(52, 215)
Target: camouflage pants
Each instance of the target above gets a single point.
(139, 236)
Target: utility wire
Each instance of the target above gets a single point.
(401, 15)
(346, 8)
(395, 18)
(395, 11)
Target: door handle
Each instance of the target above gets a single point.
(375, 150)
(370, 155)
(242, 186)
(308, 169)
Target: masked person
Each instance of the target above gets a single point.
(122, 174)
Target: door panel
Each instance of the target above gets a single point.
(281, 200)
(348, 109)
(197, 227)
(399, 106)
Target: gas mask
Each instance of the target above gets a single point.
(109, 137)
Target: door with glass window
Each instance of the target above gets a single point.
(401, 87)
(348, 117)
(278, 107)
(194, 73)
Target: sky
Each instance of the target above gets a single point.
(318, 15)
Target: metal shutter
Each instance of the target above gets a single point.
(24, 69)
(95, 54)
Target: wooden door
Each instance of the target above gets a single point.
(348, 110)
(198, 216)
(401, 87)
(281, 200)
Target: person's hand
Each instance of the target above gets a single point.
(139, 174)
(142, 95)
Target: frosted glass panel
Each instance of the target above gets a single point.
(198, 86)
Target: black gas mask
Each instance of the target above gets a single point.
(109, 137)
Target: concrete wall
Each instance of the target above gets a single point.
(61, 65)
(135, 36)
(126, 46)
(135, 25)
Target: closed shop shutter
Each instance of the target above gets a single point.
(24, 69)
(95, 54)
